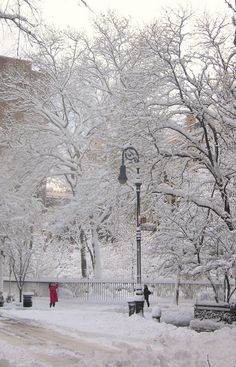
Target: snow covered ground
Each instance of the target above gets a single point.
(78, 335)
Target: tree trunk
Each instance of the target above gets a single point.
(83, 261)
(227, 287)
(96, 254)
(83, 254)
(177, 286)
(214, 289)
(20, 294)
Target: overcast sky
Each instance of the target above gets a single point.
(75, 14)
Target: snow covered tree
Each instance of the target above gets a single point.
(171, 93)
(18, 224)
(17, 14)
(195, 116)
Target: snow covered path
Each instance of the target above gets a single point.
(45, 345)
(81, 335)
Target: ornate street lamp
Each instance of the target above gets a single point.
(131, 154)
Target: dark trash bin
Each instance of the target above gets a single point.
(27, 299)
(131, 307)
(139, 306)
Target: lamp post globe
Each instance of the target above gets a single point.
(122, 176)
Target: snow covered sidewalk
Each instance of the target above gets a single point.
(77, 335)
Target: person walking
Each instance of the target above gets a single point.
(53, 293)
(146, 294)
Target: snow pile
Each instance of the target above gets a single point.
(206, 325)
(4, 363)
(77, 335)
(156, 313)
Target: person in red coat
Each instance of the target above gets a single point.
(53, 293)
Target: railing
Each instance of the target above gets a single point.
(92, 291)
(113, 292)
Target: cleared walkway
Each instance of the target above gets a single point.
(48, 346)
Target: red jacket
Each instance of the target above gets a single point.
(53, 293)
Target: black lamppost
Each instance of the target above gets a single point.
(131, 154)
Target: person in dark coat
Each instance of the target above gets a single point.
(146, 294)
(53, 293)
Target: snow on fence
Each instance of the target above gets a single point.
(113, 292)
(92, 291)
